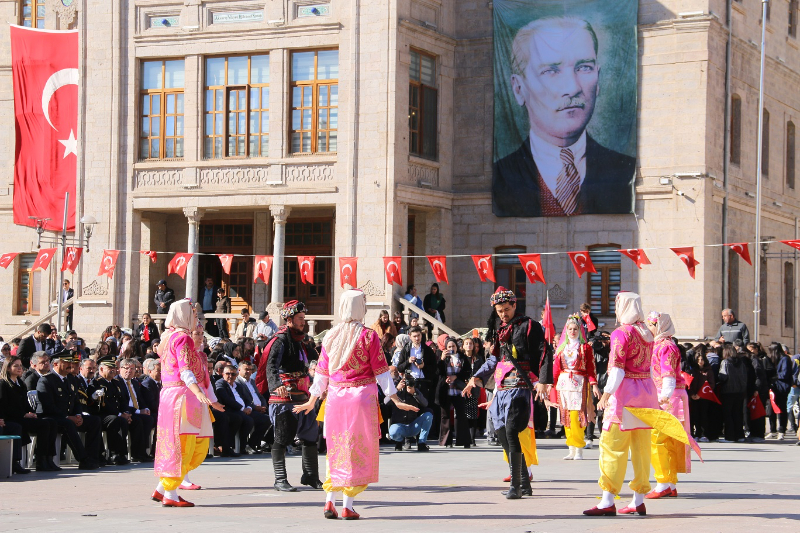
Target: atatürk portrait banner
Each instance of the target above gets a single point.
(564, 107)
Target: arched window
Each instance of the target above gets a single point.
(604, 286)
(736, 130)
(508, 273)
(790, 154)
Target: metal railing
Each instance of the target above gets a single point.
(233, 320)
(42, 319)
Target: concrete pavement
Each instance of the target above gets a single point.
(740, 487)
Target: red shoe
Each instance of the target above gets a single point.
(330, 511)
(508, 479)
(674, 493)
(594, 511)
(191, 486)
(656, 495)
(157, 496)
(347, 514)
(166, 502)
(630, 510)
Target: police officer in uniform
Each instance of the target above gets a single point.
(111, 411)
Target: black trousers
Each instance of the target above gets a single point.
(140, 427)
(699, 410)
(116, 429)
(45, 430)
(225, 427)
(90, 428)
(462, 424)
(260, 427)
(781, 418)
(733, 415)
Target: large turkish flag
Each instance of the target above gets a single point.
(44, 65)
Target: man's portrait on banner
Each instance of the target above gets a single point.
(556, 76)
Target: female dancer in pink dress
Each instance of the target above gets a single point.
(350, 364)
(184, 420)
(669, 456)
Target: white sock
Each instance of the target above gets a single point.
(172, 495)
(606, 501)
(186, 482)
(330, 497)
(530, 471)
(160, 488)
(661, 487)
(638, 499)
(672, 486)
(348, 502)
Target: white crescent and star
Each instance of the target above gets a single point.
(43, 257)
(581, 264)
(738, 248)
(441, 267)
(388, 270)
(347, 276)
(179, 263)
(684, 258)
(62, 78)
(484, 260)
(531, 270)
(108, 263)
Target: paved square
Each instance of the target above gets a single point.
(740, 487)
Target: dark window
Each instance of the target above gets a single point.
(509, 273)
(736, 130)
(221, 235)
(29, 284)
(422, 106)
(765, 145)
(412, 230)
(315, 102)
(237, 106)
(790, 155)
(604, 286)
(762, 291)
(788, 295)
(793, 18)
(161, 133)
(733, 279)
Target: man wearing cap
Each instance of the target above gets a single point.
(518, 354)
(283, 377)
(164, 297)
(265, 327)
(106, 390)
(57, 400)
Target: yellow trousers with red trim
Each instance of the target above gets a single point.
(614, 447)
(193, 452)
(668, 457)
(575, 432)
(350, 492)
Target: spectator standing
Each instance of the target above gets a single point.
(208, 301)
(732, 329)
(386, 333)
(781, 386)
(435, 304)
(794, 394)
(265, 328)
(474, 360)
(66, 294)
(733, 389)
(246, 326)
(411, 296)
(36, 342)
(223, 305)
(418, 359)
(147, 332)
(164, 297)
(454, 372)
(698, 407)
(760, 391)
(588, 320)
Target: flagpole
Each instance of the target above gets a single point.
(63, 256)
(757, 296)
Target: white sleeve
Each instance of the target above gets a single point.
(667, 388)
(187, 376)
(615, 377)
(210, 394)
(319, 386)
(387, 384)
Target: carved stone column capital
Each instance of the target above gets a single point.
(194, 214)
(280, 213)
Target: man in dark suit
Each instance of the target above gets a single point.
(112, 408)
(559, 170)
(164, 297)
(231, 396)
(256, 401)
(134, 403)
(37, 342)
(152, 387)
(40, 366)
(66, 294)
(57, 400)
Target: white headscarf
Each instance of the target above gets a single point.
(342, 338)
(629, 312)
(665, 329)
(180, 318)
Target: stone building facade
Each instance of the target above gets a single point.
(258, 156)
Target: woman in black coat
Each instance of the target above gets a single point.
(152, 334)
(780, 385)
(454, 372)
(15, 408)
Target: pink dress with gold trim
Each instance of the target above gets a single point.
(667, 364)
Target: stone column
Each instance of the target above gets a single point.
(279, 214)
(193, 214)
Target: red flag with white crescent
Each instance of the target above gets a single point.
(108, 263)
(792, 243)
(347, 271)
(72, 258)
(178, 264)
(686, 255)
(743, 249)
(637, 255)
(483, 264)
(532, 264)
(755, 409)
(775, 408)
(44, 67)
(262, 266)
(306, 265)
(707, 393)
(392, 267)
(43, 258)
(6, 259)
(227, 259)
(439, 267)
(582, 263)
(151, 254)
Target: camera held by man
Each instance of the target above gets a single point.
(408, 424)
